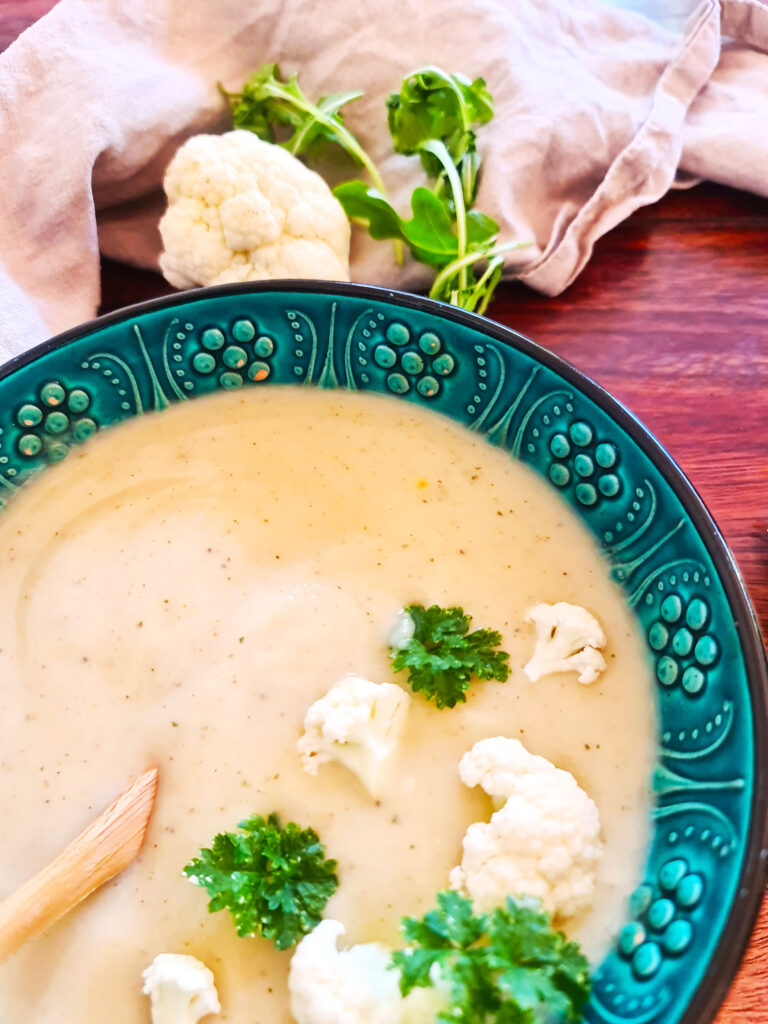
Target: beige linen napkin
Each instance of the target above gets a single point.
(594, 108)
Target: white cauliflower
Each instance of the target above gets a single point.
(401, 631)
(181, 989)
(542, 841)
(241, 209)
(357, 723)
(353, 986)
(567, 640)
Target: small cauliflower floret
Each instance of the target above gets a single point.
(357, 723)
(181, 989)
(567, 640)
(241, 209)
(542, 841)
(348, 986)
(353, 986)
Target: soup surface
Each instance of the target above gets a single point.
(180, 590)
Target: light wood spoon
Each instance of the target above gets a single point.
(103, 850)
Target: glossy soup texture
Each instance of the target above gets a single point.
(180, 589)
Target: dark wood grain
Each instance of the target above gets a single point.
(670, 316)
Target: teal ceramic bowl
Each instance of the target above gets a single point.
(689, 921)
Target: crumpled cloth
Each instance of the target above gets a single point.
(597, 111)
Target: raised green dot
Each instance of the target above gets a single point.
(57, 451)
(697, 613)
(412, 362)
(682, 642)
(428, 387)
(204, 362)
(646, 960)
(658, 635)
(671, 873)
(84, 429)
(29, 416)
(693, 680)
(677, 938)
(384, 356)
(586, 494)
(671, 608)
(53, 394)
(631, 936)
(444, 365)
(397, 383)
(56, 423)
(609, 485)
(398, 334)
(581, 433)
(243, 330)
(229, 380)
(78, 400)
(667, 670)
(264, 346)
(235, 357)
(689, 891)
(705, 651)
(640, 899)
(212, 339)
(583, 465)
(605, 455)
(559, 446)
(30, 445)
(660, 913)
(559, 475)
(429, 343)
(258, 371)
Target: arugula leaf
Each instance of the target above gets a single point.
(442, 656)
(433, 104)
(274, 881)
(506, 967)
(267, 100)
(429, 234)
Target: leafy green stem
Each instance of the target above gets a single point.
(439, 150)
(450, 270)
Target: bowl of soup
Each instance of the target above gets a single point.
(215, 506)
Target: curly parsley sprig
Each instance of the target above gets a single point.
(506, 967)
(442, 656)
(274, 880)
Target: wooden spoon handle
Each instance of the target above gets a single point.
(103, 850)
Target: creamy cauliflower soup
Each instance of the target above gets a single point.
(180, 590)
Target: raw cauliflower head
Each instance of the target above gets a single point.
(241, 209)
(542, 841)
(568, 638)
(181, 989)
(357, 723)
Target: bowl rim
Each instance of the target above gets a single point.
(753, 876)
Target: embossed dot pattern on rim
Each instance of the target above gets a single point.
(690, 918)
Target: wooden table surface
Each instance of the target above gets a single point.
(671, 316)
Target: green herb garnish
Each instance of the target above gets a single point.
(506, 967)
(442, 656)
(274, 880)
(435, 115)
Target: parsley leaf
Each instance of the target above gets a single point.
(442, 656)
(274, 881)
(506, 967)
